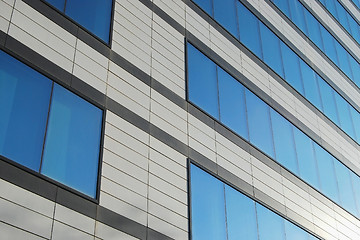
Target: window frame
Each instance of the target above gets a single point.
(52, 78)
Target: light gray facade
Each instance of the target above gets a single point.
(151, 131)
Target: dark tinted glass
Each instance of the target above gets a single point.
(202, 82)
(225, 14)
(292, 68)
(249, 30)
(207, 206)
(24, 106)
(306, 158)
(71, 152)
(271, 226)
(259, 123)
(240, 215)
(283, 133)
(271, 49)
(232, 104)
(94, 15)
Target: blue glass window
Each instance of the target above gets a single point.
(328, 101)
(314, 30)
(311, 87)
(202, 82)
(283, 133)
(232, 104)
(206, 5)
(271, 49)
(356, 120)
(94, 15)
(225, 14)
(306, 158)
(24, 106)
(344, 115)
(259, 123)
(346, 193)
(38, 114)
(342, 15)
(292, 68)
(207, 206)
(249, 30)
(329, 45)
(343, 60)
(240, 215)
(327, 173)
(297, 15)
(283, 5)
(356, 186)
(271, 226)
(292, 232)
(72, 146)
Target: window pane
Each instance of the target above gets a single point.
(271, 49)
(71, 153)
(297, 15)
(292, 68)
(314, 29)
(294, 233)
(202, 81)
(259, 123)
(329, 45)
(225, 14)
(284, 142)
(240, 215)
(232, 104)
(328, 102)
(207, 206)
(306, 158)
(24, 106)
(283, 5)
(356, 119)
(344, 115)
(311, 88)
(94, 15)
(356, 186)
(354, 29)
(330, 5)
(249, 30)
(206, 5)
(327, 173)
(343, 60)
(59, 4)
(342, 15)
(271, 225)
(345, 187)
(355, 68)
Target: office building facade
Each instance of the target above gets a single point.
(180, 119)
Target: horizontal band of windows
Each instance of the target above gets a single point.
(228, 101)
(244, 25)
(218, 211)
(356, 3)
(346, 20)
(94, 15)
(47, 128)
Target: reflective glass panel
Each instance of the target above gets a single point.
(71, 152)
(249, 29)
(345, 187)
(283, 133)
(356, 186)
(271, 226)
(327, 173)
(292, 68)
(297, 15)
(207, 206)
(314, 30)
(311, 88)
(328, 102)
(343, 60)
(329, 45)
(344, 115)
(202, 82)
(59, 4)
(232, 104)
(271, 49)
(24, 106)
(206, 5)
(259, 123)
(94, 15)
(306, 158)
(225, 14)
(283, 5)
(240, 215)
(294, 233)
